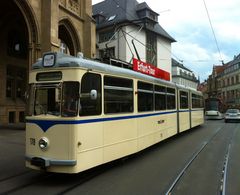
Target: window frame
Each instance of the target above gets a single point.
(172, 96)
(197, 101)
(118, 96)
(143, 90)
(160, 93)
(183, 105)
(87, 108)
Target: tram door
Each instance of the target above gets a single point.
(90, 95)
(184, 113)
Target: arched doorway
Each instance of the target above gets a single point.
(14, 60)
(68, 37)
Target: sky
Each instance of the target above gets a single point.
(200, 46)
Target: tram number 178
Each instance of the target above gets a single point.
(32, 141)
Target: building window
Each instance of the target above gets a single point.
(11, 117)
(106, 36)
(10, 87)
(107, 53)
(16, 82)
(237, 79)
(21, 117)
(151, 49)
(232, 80)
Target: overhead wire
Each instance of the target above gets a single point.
(169, 50)
(174, 55)
(213, 32)
(118, 5)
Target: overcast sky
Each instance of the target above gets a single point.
(188, 23)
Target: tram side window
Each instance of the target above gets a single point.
(118, 95)
(201, 101)
(145, 97)
(160, 98)
(90, 106)
(171, 100)
(70, 99)
(183, 100)
(197, 101)
(194, 101)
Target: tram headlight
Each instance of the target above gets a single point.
(43, 143)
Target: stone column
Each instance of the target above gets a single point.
(89, 41)
(49, 25)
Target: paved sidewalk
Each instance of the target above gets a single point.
(19, 126)
(12, 151)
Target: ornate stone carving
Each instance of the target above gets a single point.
(74, 6)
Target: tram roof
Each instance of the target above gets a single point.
(63, 61)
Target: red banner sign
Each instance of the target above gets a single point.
(149, 69)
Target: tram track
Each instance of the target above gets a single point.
(67, 182)
(223, 185)
(15, 175)
(224, 173)
(23, 184)
(52, 183)
(82, 181)
(193, 158)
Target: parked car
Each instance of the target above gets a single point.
(232, 115)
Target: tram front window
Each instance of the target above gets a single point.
(70, 99)
(212, 105)
(47, 101)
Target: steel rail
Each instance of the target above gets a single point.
(225, 166)
(42, 178)
(224, 171)
(190, 162)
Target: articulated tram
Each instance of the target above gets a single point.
(83, 113)
(214, 108)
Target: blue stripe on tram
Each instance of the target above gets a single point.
(46, 124)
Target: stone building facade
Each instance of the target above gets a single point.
(28, 29)
(224, 83)
(183, 76)
(127, 29)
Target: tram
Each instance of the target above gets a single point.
(214, 108)
(83, 113)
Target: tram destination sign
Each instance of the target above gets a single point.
(49, 59)
(149, 69)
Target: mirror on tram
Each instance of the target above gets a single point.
(93, 94)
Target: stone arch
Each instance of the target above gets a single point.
(33, 30)
(19, 43)
(68, 34)
(30, 19)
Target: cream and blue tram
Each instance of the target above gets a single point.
(83, 113)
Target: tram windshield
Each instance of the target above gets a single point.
(55, 99)
(47, 100)
(212, 105)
